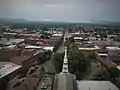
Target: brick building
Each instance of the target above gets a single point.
(106, 62)
(8, 70)
(5, 55)
(37, 42)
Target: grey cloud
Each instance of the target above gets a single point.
(61, 10)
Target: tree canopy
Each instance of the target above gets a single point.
(44, 56)
(57, 44)
(107, 74)
(58, 61)
(78, 61)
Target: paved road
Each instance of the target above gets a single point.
(49, 64)
(61, 48)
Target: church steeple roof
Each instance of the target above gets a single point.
(65, 62)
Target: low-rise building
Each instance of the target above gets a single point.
(113, 50)
(7, 68)
(38, 42)
(8, 71)
(40, 47)
(10, 41)
(26, 59)
(88, 46)
(7, 54)
(96, 85)
(106, 62)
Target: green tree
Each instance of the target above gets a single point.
(91, 56)
(57, 44)
(71, 39)
(107, 74)
(114, 72)
(44, 56)
(78, 63)
(58, 61)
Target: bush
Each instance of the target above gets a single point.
(44, 56)
(58, 61)
(107, 74)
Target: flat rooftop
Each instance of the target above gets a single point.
(20, 58)
(7, 68)
(4, 41)
(39, 47)
(57, 35)
(96, 85)
(112, 48)
(89, 48)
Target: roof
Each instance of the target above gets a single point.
(39, 47)
(105, 61)
(4, 41)
(102, 54)
(78, 38)
(113, 48)
(118, 67)
(7, 68)
(88, 46)
(96, 85)
(65, 81)
(10, 33)
(57, 35)
(48, 48)
(11, 46)
(115, 58)
(20, 58)
(94, 48)
(33, 47)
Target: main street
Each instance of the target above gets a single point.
(61, 48)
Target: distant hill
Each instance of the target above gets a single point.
(12, 20)
(22, 20)
(106, 22)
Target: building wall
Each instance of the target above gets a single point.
(13, 74)
(27, 53)
(9, 35)
(113, 52)
(5, 55)
(4, 80)
(29, 61)
(105, 62)
(28, 41)
(25, 62)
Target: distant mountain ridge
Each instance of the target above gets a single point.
(105, 22)
(13, 20)
(22, 20)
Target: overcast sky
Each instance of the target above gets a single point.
(61, 10)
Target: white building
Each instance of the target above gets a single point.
(113, 50)
(96, 85)
(7, 68)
